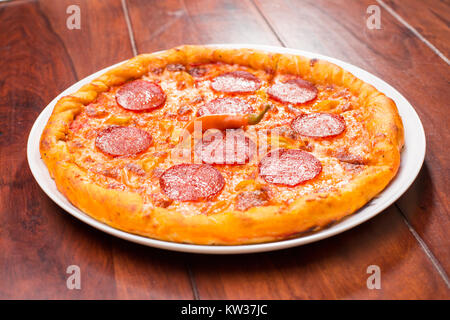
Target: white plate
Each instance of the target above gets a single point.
(411, 161)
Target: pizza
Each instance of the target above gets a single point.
(222, 146)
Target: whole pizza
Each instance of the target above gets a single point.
(210, 145)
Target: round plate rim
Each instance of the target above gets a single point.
(375, 206)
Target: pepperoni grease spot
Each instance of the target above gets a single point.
(123, 141)
(226, 106)
(319, 125)
(236, 82)
(140, 95)
(191, 182)
(233, 148)
(294, 91)
(289, 167)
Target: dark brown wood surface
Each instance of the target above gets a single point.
(40, 57)
(430, 18)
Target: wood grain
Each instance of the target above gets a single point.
(39, 57)
(102, 39)
(431, 19)
(33, 264)
(241, 277)
(165, 24)
(39, 240)
(394, 54)
(335, 268)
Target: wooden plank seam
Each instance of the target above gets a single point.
(426, 249)
(129, 27)
(414, 31)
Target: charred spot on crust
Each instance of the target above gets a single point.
(354, 168)
(95, 112)
(157, 71)
(347, 157)
(161, 201)
(197, 72)
(313, 61)
(175, 67)
(249, 199)
(350, 162)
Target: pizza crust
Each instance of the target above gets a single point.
(126, 211)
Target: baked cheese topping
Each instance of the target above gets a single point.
(129, 138)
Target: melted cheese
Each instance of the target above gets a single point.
(185, 95)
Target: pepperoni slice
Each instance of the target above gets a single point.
(140, 95)
(233, 148)
(294, 91)
(236, 82)
(289, 167)
(225, 106)
(191, 182)
(319, 125)
(123, 141)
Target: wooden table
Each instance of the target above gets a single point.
(40, 56)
